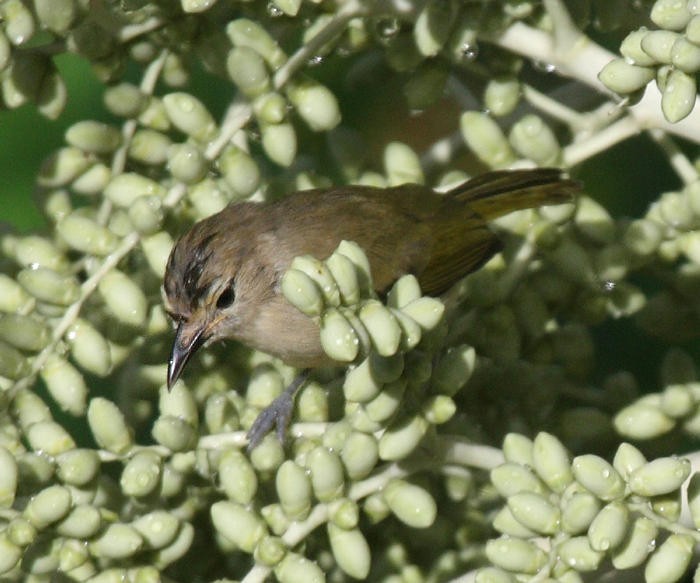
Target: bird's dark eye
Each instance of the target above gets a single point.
(226, 298)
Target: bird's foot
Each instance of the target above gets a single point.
(277, 414)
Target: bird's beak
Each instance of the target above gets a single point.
(188, 339)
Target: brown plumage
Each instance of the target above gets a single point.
(223, 276)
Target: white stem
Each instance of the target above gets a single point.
(582, 60)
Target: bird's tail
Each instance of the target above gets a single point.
(494, 194)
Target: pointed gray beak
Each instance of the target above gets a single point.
(188, 339)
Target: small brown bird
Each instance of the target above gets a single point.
(223, 276)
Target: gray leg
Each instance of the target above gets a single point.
(277, 414)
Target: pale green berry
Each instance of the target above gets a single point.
(627, 459)
(402, 165)
(270, 107)
(125, 100)
(692, 31)
(190, 116)
(350, 549)
(289, 7)
(609, 527)
(411, 504)
(578, 512)
(512, 478)
(73, 554)
(238, 524)
(280, 143)
(402, 437)
(248, 33)
(505, 523)
(180, 403)
(642, 421)
(247, 70)
(501, 95)
(93, 137)
(125, 300)
(86, 235)
(270, 551)
(208, 197)
(24, 332)
(108, 426)
(176, 549)
(631, 48)
(62, 167)
(551, 461)
(382, 327)
(327, 479)
(660, 476)
(293, 490)
(670, 561)
(518, 449)
(454, 369)
(486, 140)
(8, 478)
(267, 456)
(77, 467)
(82, 521)
(345, 275)
(174, 433)
(411, 332)
(45, 285)
(296, 568)
(157, 249)
(405, 291)
(49, 437)
(598, 476)
(533, 139)
(146, 214)
(357, 256)
(239, 171)
(93, 181)
(149, 147)
(338, 338)
(514, 554)
(685, 56)
(359, 454)
(237, 476)
(670, 14)
(426, 311)
(117, 541)
(89, 348)
(158, 528)
(141, 474)
(383, 407)
(124, 189)
(48, 506)
(535, 512)
(578, 554)
(322, 276)
(679, 94)
(316, 105)
(622, 77)
(658, 44)
(432, 27)
(638, 544)
(493, 575)
(14, 298)
(29, 408)
(196, 6)
(18, 20)
(10, 554)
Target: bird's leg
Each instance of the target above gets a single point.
(277, 414)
